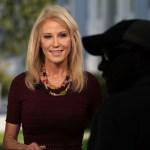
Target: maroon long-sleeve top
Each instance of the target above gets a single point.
(55, 121)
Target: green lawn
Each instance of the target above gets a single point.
(21, 140)
(84, 146)
(1, 138)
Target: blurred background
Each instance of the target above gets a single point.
(18, 16)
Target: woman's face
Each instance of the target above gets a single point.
(55, 42)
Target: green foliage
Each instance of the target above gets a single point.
(1, 140)
(1, 137)
(84, 144)
(5, 82)
(16, 20)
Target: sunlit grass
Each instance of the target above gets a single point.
(1, 139)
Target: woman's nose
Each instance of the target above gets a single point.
(55, 43)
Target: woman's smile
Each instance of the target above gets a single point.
(56, 52)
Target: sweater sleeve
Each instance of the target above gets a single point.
(14, 101)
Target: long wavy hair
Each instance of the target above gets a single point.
(36, 58)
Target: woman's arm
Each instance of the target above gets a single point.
(10, 136)
(10, 139)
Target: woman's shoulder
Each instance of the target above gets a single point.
(93, 87)
(91, 77)
(19, 78)
(93, 81)
(20, 75)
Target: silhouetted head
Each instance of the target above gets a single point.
(125, 52)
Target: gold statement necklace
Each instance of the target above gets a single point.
(52, 89)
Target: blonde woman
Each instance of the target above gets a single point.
(55, 98)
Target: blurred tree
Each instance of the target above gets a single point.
(5, 82)
(16, 20)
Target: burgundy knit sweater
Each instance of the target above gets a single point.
(55, 121)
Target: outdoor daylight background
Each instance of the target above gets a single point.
(18, 16)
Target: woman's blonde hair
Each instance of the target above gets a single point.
(35, 56)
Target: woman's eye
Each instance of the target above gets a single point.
(47, 37)
(62, 35)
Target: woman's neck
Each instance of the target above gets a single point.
(56, 74)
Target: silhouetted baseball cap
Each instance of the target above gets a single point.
(135, 31)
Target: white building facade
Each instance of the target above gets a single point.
(95, 16)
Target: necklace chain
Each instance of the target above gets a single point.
(50, 88)
(62, 93)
